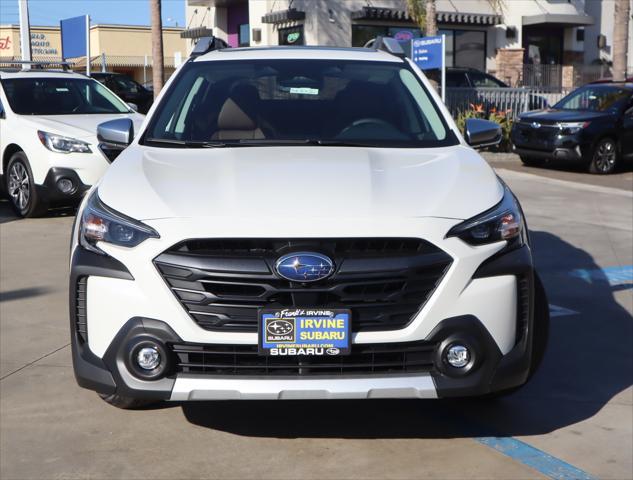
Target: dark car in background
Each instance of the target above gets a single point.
(592, 126)
(471, 78)
(127, 89)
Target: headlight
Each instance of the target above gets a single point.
(99, 223)
(60, 144)
(569, 128)
(502, 222)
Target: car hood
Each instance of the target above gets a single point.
(151, 183)
(78, 126)
(553, 115)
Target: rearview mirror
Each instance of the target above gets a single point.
(480, 133)
(116, 133)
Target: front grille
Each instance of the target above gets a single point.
(541, 138)
(387, 358)
(223, 283)
(81, 324)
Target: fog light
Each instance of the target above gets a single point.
(148, 358)
(65, 185)
(458, 356)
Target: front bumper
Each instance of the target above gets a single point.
(495, 368)
(50, 192)
(549, 144)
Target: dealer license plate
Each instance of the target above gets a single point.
(305, 331)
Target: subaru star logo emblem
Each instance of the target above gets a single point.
(304, 267)
(536, 125)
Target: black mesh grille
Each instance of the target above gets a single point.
(222, 283)
(523, 313)
(80, 309)
(388, 358)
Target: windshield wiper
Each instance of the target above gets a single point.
(185, 143)
(304, 141)
(274, 141)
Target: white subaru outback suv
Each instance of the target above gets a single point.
(302, 223)
(48, 146)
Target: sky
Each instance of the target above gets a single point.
(128, 12)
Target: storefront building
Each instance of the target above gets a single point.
(515, 43)
(126, 49)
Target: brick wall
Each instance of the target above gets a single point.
(509, 65)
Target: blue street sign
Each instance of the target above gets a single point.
(426, 52)
(74, 36)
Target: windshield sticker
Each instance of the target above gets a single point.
(61, 89)
(304, 90)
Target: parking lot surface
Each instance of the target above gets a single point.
(573, 420)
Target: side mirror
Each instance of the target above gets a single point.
(116, 133)
(480, 133)
(133, 106)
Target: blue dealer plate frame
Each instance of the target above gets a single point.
(304, 332)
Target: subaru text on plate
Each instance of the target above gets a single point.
(302, 223)
(48, 145)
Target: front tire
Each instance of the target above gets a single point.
(604, 159)
(125, 403)
(21, 190)
(531, 161)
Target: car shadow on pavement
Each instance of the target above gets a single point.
(588, 361)
(8, 215)
(22, 293)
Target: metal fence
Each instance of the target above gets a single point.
(543, 77)
(512, 101)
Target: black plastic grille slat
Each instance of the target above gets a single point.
(523, 287)
(81, 323)
(393, 358)
(223, 282)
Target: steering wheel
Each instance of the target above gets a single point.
(367, 121)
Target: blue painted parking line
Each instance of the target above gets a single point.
(611, 275)
(540, 461)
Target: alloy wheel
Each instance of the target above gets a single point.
(19, 186)
(605, 156)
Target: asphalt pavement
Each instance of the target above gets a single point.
(573, 420)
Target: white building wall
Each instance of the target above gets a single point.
(604, 13)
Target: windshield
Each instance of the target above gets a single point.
(60, 96)
(596, 98)
(269, 102)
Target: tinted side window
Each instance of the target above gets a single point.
(456, 79)
(480, 79)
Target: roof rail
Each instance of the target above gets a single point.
(386, 44)
(40, 64)
(208, 44)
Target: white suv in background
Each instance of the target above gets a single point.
(302, 223)
(49, 151)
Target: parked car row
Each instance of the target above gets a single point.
(132, 92)
(51, 155)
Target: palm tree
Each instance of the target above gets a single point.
(423, 12)
(620, 38)
(158, 75)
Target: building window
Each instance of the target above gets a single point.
(465, 48)
(244, 35)
(291, 36)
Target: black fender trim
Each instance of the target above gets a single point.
(90, 370)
